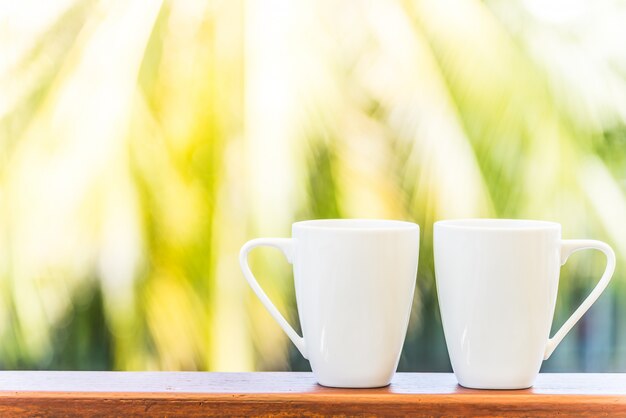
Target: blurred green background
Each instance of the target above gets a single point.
(143, 142)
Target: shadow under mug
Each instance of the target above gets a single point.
(497, 283)
(354, 282)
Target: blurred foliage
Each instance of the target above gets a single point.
(142, 143)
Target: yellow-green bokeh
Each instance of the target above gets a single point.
(142, 143)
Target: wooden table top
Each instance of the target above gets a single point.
(28, 393)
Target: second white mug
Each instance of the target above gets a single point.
(497, 282)
(354, 282)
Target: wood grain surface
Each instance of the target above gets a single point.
(46, 393)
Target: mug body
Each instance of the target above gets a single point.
(354, 282)
(497, 282)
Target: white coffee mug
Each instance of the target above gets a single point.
(497, 282)
(354, 282)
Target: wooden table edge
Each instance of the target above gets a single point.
(189, 394)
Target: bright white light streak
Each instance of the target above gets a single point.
(73, 154)
(22, 24)
(407, 77)
(270, 106)
(608, 200)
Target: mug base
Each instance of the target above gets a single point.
(360, 385)
(495, 387)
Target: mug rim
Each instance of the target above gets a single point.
(356, 224)
(497, 224)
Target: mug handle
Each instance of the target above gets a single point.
(567, 248)
(286, 246)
